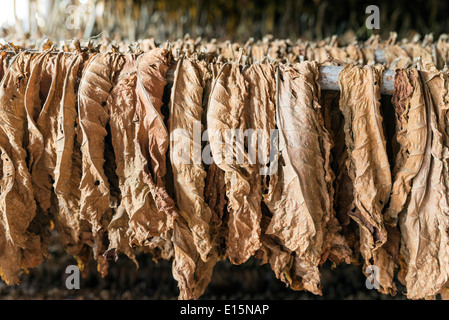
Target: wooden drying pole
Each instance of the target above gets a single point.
(328, 79)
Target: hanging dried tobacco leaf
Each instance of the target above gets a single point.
(424, 223)
(121, 104)
(195, 255)
(74, 233)
(226, 122)
(396, 57)
(303, 219)
(192, 273)
(46, 92)
(151, 144)
(343, 196)
(411, 123)
(186, 131)
(96, 83)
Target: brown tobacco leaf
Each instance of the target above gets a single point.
(283, 262)
(45, 146)
(120, 234)
(43, 98)
(396, 57)
(369, 55)
(67, 172)
(160, 247)
(260, 116)
(33, 108)
(96, 83)
(424, 224)
(136, 218)
(131, 192)
(197, 233)
(303, 217)
(43, 119)
(258, 52)
(355, 54)
(273, 252)
(368, 164)
(225, 117)
(343, 198)
(4, 63)
(408, 100)
(192, 273)
(321, 54)
(39, 94)
(416, 50)
(186, 112)
(17, 205)
(215, 186)
(442, 51)
(151, 144)
(338, 53)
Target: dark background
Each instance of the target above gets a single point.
(155, 281)
(232, 19)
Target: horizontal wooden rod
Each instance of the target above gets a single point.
(328, 79)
